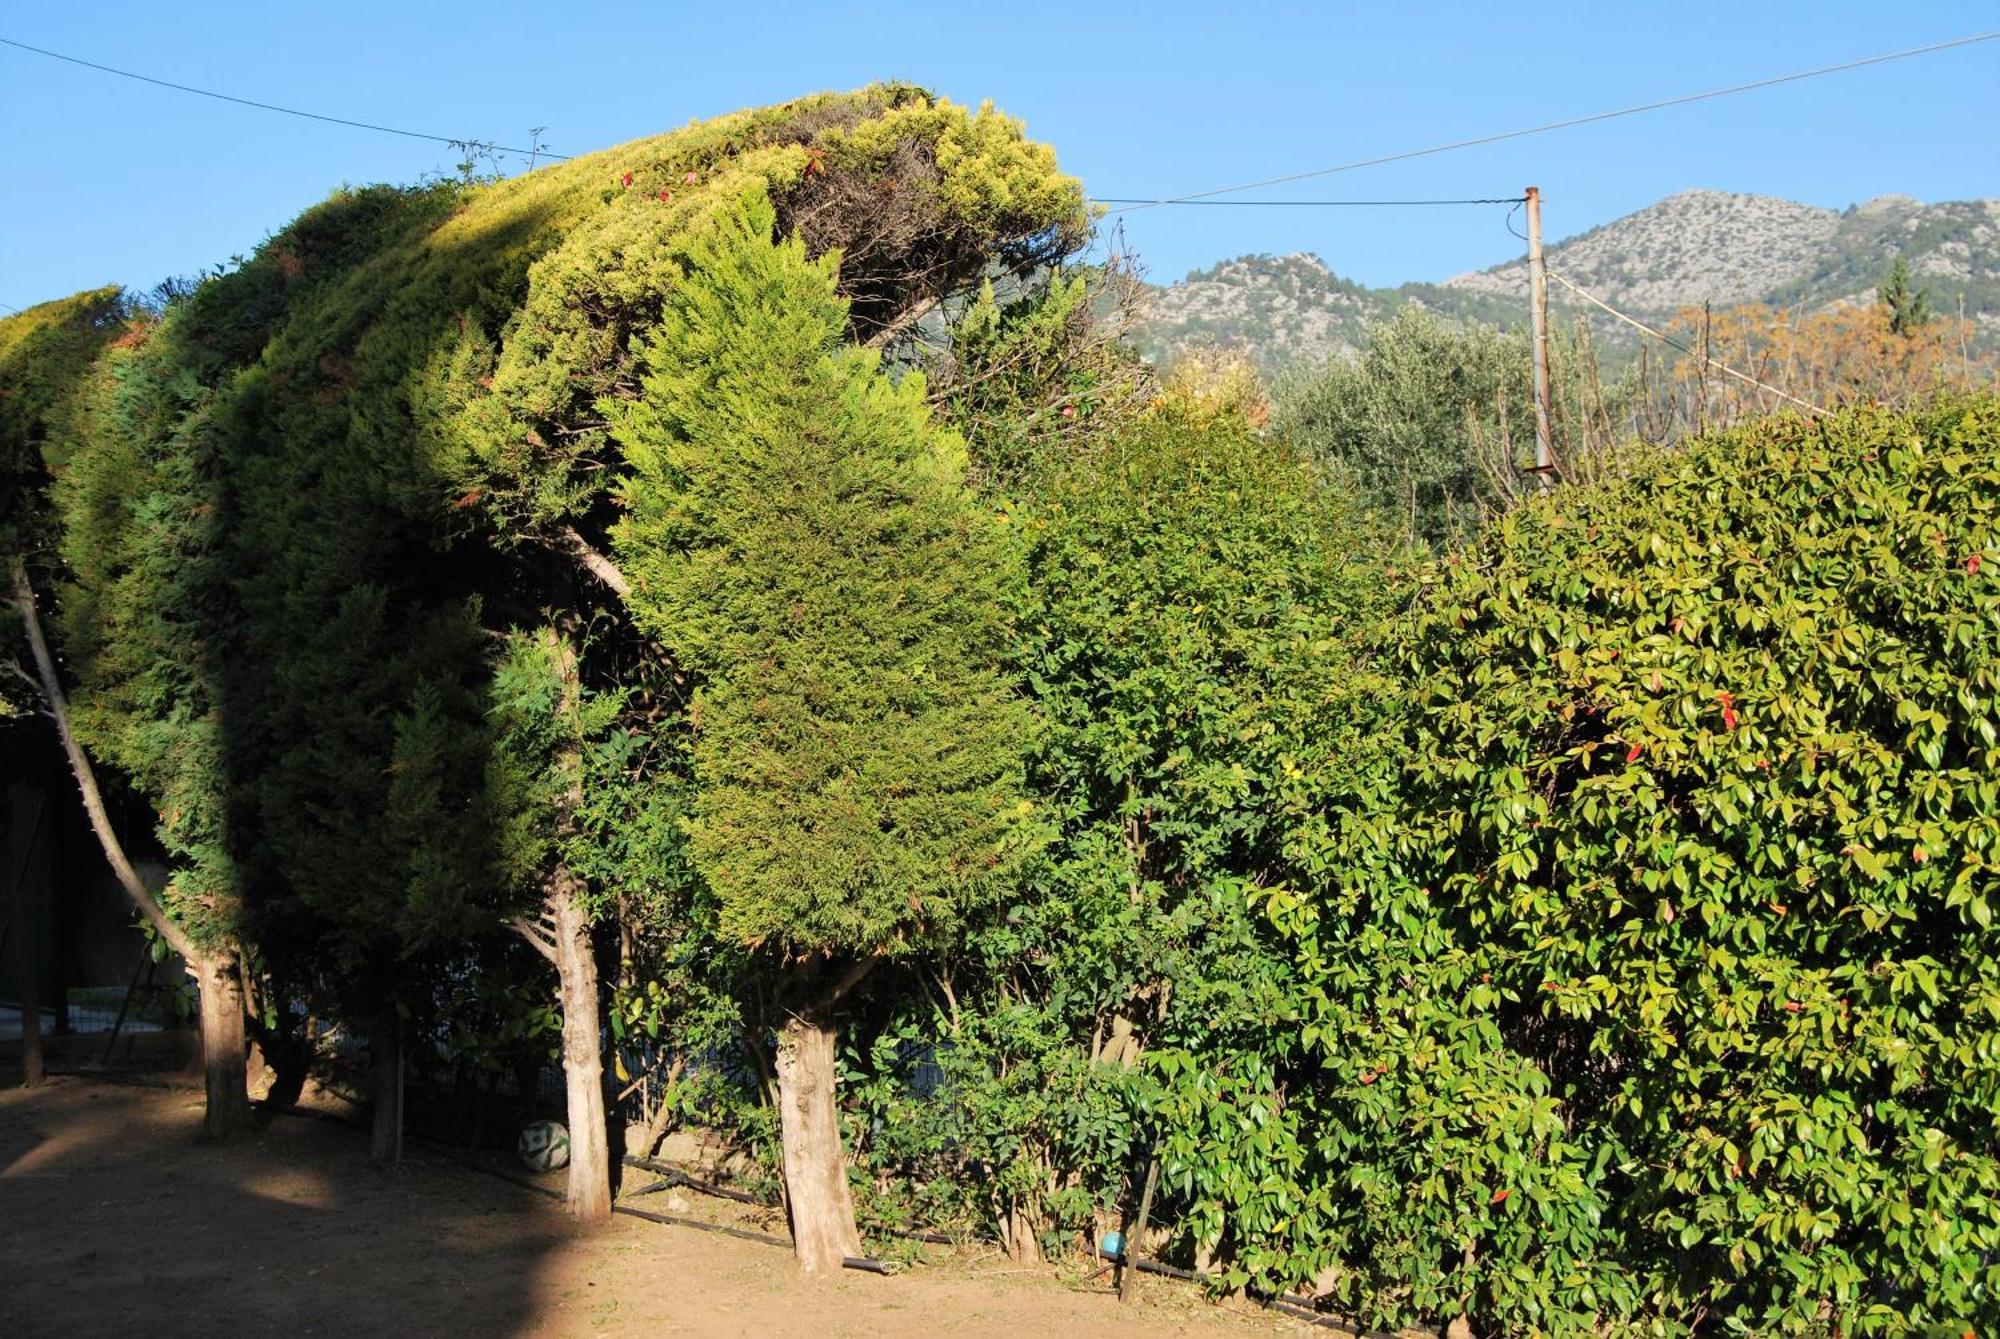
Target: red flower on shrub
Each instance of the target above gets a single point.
(1728, 710)
(1632, 754)
(625, 180)
(1499, 1196)
(1972, 565)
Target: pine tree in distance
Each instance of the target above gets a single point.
(1908, 308)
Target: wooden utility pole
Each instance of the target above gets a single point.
(1538, 316)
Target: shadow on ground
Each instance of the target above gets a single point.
(115, 1220)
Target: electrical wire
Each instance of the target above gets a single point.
(1123, 204)
(1637, 324)
(457, 141)
(1344, 204)
(1570, 122)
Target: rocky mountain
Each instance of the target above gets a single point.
(1691, 248)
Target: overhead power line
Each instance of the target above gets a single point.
(1304, 204)
(1569, 122)
(457, 141)
(1724, 368)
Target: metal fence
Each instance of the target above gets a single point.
(146, 1006)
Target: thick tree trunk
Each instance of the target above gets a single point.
(816, 1193)
(1020, 1235)
(385, 1055)
(589, 1191)
(21, 957)
(224, 1048)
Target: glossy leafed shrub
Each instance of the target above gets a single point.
(1686, 912)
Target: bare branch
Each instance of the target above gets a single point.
(903, 320)
(531, 932)
(86, 776)
(600, 566)
(849, 979)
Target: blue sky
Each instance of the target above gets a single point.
(108, 180)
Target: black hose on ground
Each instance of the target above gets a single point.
(674, 1176)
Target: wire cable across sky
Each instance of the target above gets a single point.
(1683, 99)
(457, 141)
(1122, 204)
(1320, 204)
(1669, 340)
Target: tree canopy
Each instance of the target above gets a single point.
(800, 536)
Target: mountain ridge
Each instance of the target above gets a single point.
(1693, 247)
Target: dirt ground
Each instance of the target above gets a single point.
(115, 1220)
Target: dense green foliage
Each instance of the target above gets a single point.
(1411, 415)
(1590, 931)
(1665, 987)
(46, 355)
(300, 495)
(800, 536)
(1908, 308)
(1199, 600)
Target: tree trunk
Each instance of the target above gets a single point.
(386, 1081)
(288, 1052)
(822, 1209)
(215, 972)
(1021, 1235)
(21, 946)
(589, 1191)
(224, 1050)
(562, 935)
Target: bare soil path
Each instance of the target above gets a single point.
(114, 1220)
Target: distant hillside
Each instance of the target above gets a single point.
(1691, 248)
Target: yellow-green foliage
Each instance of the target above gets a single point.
(45, 352)
(525, 437)
(136, 543)
(993, 176)
(291, 502)
(801, 536)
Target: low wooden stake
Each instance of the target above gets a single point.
(1138, 1234)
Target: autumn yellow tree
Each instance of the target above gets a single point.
(1839, 356)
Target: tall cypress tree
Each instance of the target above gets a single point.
(69, 515)
(799, 535)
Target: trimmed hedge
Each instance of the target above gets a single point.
(1665, 988)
